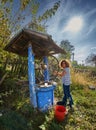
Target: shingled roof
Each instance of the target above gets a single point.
(42, 44)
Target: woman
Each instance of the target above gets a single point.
(66, 81)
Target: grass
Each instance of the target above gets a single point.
(18, 113)
(84, 115)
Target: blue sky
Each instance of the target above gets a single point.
(84, 39)
(75, 20)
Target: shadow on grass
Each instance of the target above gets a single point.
(26, 118)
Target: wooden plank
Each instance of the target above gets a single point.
(41, 43)
(3, 78)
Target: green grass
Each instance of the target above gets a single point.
(18, 114)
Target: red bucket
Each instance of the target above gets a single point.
(60, 112)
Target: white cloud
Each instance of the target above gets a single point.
(91, 12)
(57, 25)
(82, 52)
(93, 48)
(90, 22)
(74, 24)
(91, 27)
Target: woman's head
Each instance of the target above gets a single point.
(64, 63)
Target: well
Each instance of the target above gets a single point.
(33, 45)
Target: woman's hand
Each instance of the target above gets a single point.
(55, 73)
(59, 73)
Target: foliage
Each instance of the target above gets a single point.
(39, 23)
(13, 121)
(66, 45)
(4, 32)
(17, 112)
(8, 90)
(49, 12)
(13, 19)
(2, 71)
(91, 59)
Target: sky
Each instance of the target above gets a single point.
(75, 21)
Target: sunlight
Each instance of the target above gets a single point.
(74, 25)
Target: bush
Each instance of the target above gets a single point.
(12, 121)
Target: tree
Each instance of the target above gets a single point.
(40, 22)
(66, 45)
(4, 33)
(94, 60)
(13, 19)
(74, 63)
(91, 59)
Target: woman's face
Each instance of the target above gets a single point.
(63, 64)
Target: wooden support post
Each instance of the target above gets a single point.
(46, 71)
(31, 76)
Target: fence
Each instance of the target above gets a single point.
(17, 67)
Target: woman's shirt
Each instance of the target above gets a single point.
(66, 77)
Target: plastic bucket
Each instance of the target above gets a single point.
(60, 112)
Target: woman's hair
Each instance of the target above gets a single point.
(66, 63)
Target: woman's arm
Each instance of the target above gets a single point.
(60, 73)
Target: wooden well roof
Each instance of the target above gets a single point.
(42, 44)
